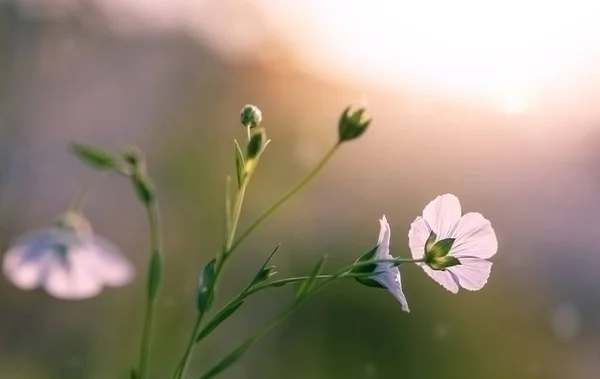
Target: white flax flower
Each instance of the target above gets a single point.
(462, 262)
(386, 274)
(67, 260)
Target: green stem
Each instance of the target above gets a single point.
(286, 197)
(185, 360)
(230, 245)
(79, 200)
(156, 248)
(224, 257)
(345, 272)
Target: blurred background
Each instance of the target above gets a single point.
(494, 101)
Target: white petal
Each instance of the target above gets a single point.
(109, 265)
(442, 214)
(474, 237)
(390, 278)
(417, 236)
(383, 242)
(73, 281)
(24, 270)
(472, 274)
(445, 278)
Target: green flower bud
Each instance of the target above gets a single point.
(250, 116)
(257, 143)
(352, 124)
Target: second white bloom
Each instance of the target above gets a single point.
(474, 242)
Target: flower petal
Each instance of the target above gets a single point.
(442, 214)
(383, 242)
(25, 270)
(443, 277)
(108, 265)
(472, 273)
(475, 237)
(390, 279)
(72, 280)
(417, 236)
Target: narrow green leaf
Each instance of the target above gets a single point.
(218, 319)
(230, 359)
(309, 283)
(95, 157)
(206, 287)
(240, 163)
(154, 275)
(443, 263)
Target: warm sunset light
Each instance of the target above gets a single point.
(461, 48)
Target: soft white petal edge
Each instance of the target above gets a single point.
(475, 237)
(442, 214)
(417, 236)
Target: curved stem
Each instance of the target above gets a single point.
(79, 200)
(286, 197)
(156, 248)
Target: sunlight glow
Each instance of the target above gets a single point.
(455, 47)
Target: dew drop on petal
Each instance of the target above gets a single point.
(566, 321)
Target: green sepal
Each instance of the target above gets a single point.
(308, 284)
(154, 275)
(351, 124)
(240, 164)
(206, 287)
(444, 262)
(369, 269)
(440, 249)
(93, 156)
(430, 241)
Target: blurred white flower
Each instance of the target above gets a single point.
(67, 260)
(386, 274)
(474, 242)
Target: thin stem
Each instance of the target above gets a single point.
(185, 360)
(156, 248)
(230, 234)
(345, 272)
(79, 200)
(286, 197)
(231, 244)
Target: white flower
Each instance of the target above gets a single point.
(67, 260)
(386, 274)
(475, 242)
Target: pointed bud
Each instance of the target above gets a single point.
(250, 116)
(95, 157)
(257, 143)
(352, 124)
